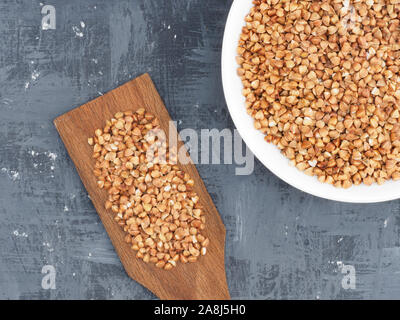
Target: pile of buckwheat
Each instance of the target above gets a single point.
(153, 201)
(322, 82)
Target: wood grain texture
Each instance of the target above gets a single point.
(204, 279)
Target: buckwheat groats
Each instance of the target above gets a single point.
(322, 82)
(152, 200)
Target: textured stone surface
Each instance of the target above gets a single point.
(281, 243)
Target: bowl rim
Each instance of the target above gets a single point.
(235, 103)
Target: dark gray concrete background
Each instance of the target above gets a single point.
(281, 243)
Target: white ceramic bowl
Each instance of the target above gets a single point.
(267, 153)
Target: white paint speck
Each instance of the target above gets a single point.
(17, 234)
(45, 25)
(385, 222)
(83, 24)
(66, 209)
(51, 155)
(12, 174)
(78, 32)
(35, 75)
(48, 246)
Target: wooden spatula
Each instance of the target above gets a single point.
(204, 279)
